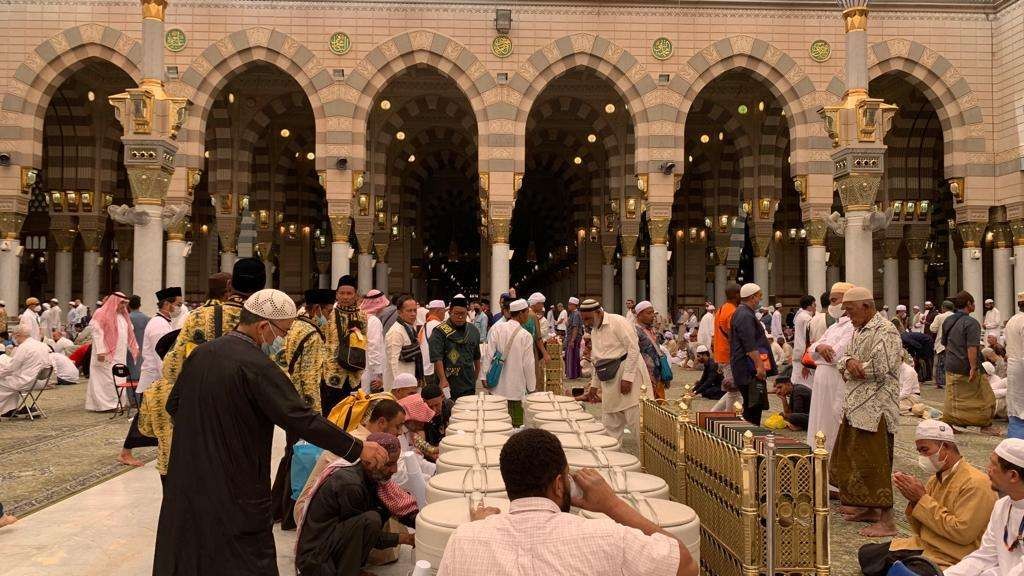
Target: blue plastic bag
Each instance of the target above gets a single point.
(304, 457)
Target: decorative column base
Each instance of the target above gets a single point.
(364, 279)
(499, 273)
(608, 286)
(175, 265)
(62, 279)
(628, 280)
(891, 283)
(340, 263)
(148, 262)
(817, 281)
(227, 261)
(91, 278)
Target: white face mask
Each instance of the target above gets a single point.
(835, 311)
(930, 464)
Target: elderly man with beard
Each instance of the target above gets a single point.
(347, 512)
(619, 369)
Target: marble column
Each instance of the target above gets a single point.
(972, 234)
(381, 279)
(721, 280)
(175, 275)
(10, 262)
(341, 264)
(1002, 274)
(916, 246)
(816, 276)
(92, 230)
(123, 238)
(63, 232)
(761, 244)
(628, 269)
(1017, 229)
(891, 274)
(499, 230)
(608, 277)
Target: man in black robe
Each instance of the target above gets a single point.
(749, 354)
(435, 430)
(216, 512)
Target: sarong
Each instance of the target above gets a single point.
(572, 360)
(968, 402)
(861, 466)
(515, 410)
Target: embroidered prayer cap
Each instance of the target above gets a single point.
(857, 294)
(642, 305)
(168, 293)
(590, 304)
(31, 301)
(749, 289)
(435, 304)
(934, 430)
(518, 305)
(901, 308)
(346, 280)
(536, 298)
(1011, 450)
(404, 380)
(416, 409)
(989, 367)
(248, 276)
(841, 288)
(702, 349)
(271, 304)
(576, 301)
(387, 441)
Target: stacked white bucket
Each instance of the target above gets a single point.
(468, 468)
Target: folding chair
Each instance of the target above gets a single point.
(30, 397)
(125, 391)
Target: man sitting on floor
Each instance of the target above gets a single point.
(796, 399)
(64, 368)
(947, 516)
(710, 383)
(442, 407)
(405, 385)
(348, 508)
(19, 375)
(539, 536)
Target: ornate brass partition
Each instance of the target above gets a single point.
(554, 370)
(728, 488)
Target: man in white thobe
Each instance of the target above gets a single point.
(776, 323)
(1001, 552)
(58, 342)
(993, 321)
(73, 316)
(112, 338)
(1014, 332)
(402, 333)
(46, 323)
(706, 328)
(19, 375)
(613, 339)
(802, 375)
(30, 319)
(515, 344)
(829, 388)
(372, 378)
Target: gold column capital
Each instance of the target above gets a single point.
(1002, 236)
(817, 230)
(761, 243)
(857, 192)
(891, 247)
(92, 231)
(154, 9)
(64, 231)
(227, 231)
(341, 227)
(971, 233)
(608, 252)
(658, 228)
(856, 18)
(382, 251)
(916, 247)
(499, 229)
(1017, 229)
(629, 244)
(177, 231)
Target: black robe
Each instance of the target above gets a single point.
(216, 513)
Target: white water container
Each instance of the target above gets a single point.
(588, 441)
(677, 519)
(532, 409)
(548, 417)
(462, 441)
(589, 427)
(436, 523)
(598, 458)
(486, 427)
(462, 483)
(467, 458)
(549, 397)
(473, 416)
(477, 400)
(623, 482)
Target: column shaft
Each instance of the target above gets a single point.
(608, 286)
(148, 259)
(760, 276)
(659, 278)
(227, 261)
(365, 277)
(891, 283)
(816, 276)
(499, 273)
(628, 280)
(858, 250)
(1018, 272)
(915, 268)
(175, 266)
(91, 278)
(10, 270)
(954, 268)
(831, 277)
(325, 281)
(1003, 282)
(124, 277)
(973, 277)
(62, 279)
(381, 281)
(721, 278)
(340, 263)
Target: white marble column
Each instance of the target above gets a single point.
(1018, 270)
(499, 273)
(1002, 278)
(381, 280)
(858, 250)
(831, 277)
(973, 278)
(817, 278)
(608, 287)
(91, 278)
(148, 262)
(325, 281)
(124, 277)
(364, 279)
(891, 283)
(227, 261)
(10, 270)
(915, 271)
(628, 280)
(341, 263)
(659, 278)
(175, 266)
(62, 278)
(721, 279)
(761, 273)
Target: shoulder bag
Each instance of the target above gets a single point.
(410, 352)
(351, 354)
(498, 362)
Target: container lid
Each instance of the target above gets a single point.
(454, 512)
(480, 399)
(548, 397)
(457, 441)
(588, 427)
(599, 458)
(483, 480)
(482, 407)
(624, 482)
(488, 457)
(537, 407)
(665, 512)
(595, 440)
(473, 416)
(495, 426)
(559, 417)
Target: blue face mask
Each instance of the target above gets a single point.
(273, 348)
(321, 320)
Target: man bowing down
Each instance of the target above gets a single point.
(216, 513)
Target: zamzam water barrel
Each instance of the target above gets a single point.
(466, 458)
(568, 427)
(436, 523)
(492, 427)
(598, 458)
(461, 483)
(588, 441)
(473, 415)
(467, 402)
(646, 485)
(677, 519)
(462, 441)
(532, 409)
(541, 418)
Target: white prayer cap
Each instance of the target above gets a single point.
(46, 306)
(840, 288)
(1020, 297)
(404, 380)
(574, 300)
(2, 303)
(271, 304)
(989, 367)
(435, 304)
(702, 349)
(934, 430)
(537, 298)
(642, 305)
(710, 308)
(1011, 450)
(858, 294)
(460, 295)
(928, 303)
(884, 307)
(989, 301)
(916, 307)
(518, 305)
(901, 308)
(54, 301)
(749, 289)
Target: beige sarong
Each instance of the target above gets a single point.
(861, 466)
(969, 402)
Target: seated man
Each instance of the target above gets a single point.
(796, 399)
(910, 385)
(947, 516)
(19, 375)
(1000, 552)
(346, 513)
(998, 385)
(59, 342)
(539, 536)
(405, 385)
(710, 383)
(64, 368)
(435, 429)
(417, 415)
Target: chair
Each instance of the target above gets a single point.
(125, 391)
(30, 398)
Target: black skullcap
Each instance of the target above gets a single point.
(248, 276)
(168, 293)
(459, 302)
(430, 391)
(319, 296)
(347, 280)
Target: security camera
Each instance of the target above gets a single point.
(20, 250)
(5, 159)
(668, 167)
(5, 246)
(187, 250)
(342, 164)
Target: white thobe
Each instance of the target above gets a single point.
(630, 317)
(800, 330)
(829, 387)
(562, 322)
(706, 329)
(993, 319)
(48, 321)
(73, 316)
(61, 345)
(31, 321)
(936, 329)
(428, 329)
(818, 324)
(152, 364)
(374, 352)
(1014, 332)
(992, 558)
(776, 325)
(100, 395)
(64, 367)
(518, 374)
(393, 342)
(19, 375)
(613, 339)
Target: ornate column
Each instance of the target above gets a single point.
(498, 230)
(608, 276)
(341, 250)
(916, 243)
(835, 258)
(64, 232)
(227, 231)
(12, 216)
(972, 233)
(1017, 229)
(381, 280)
(857, 127)
(151, 121)
(761, 242)
(92, 229)
(628, 266)
(176, 249)
(123, 236)
(1002, 275)
(891, 273)
(364, 235)
(658, 218)
(817, 282)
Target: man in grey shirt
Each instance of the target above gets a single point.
(969, 398)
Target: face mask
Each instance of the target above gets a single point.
(176, 311)
(930, 464)
(274, 348)
(36, 309)
(321, 320)
(835, 311)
